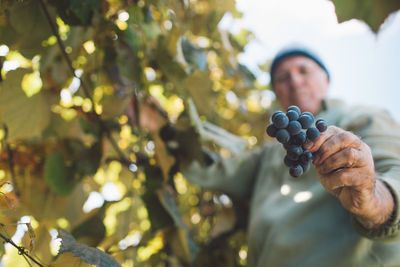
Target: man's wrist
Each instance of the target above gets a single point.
(381, 210)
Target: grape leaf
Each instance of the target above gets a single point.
(69, 260)
(200, 88)
(373, 12)
(56, 174)
(187, 246)
(77, 12)
(158, 216)
(88, 254)
(31, 25)
(211, 132)
(193, 56)
(25, 117)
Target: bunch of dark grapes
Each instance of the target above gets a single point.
(293, 129)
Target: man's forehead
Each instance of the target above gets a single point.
(296, 61)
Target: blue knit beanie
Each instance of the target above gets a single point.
(295, 51)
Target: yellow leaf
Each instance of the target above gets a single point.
(31, 83)
(68, 260)
(32, 236)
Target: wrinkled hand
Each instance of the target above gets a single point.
(345, 168)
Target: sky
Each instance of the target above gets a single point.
(363, 65)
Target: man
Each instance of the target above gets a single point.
(299, 78)
(338, 213)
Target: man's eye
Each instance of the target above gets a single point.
(304, 70)
(282, 78)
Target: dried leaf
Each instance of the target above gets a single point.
(225, 221)
(32, 236)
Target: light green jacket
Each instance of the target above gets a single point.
(295, 222)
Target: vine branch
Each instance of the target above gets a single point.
(21, 250)
(10, 157)
(103, 127)
(62, 47)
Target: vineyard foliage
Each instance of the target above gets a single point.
(75, 162)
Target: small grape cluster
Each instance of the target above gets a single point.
(288, 130)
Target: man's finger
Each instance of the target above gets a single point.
(314, 146)
(346, 158)
(340, 178)
(336, 143)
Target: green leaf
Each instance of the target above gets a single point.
(91, 231)
(57, 175)
(211, 132)
(88, 159)
(193, 56)
(31, 26)
(25, 117)
(128, 62)
(158, 216)
(167, 199)
(200, 87)
(132, 37)
(187, 246)
(183, 245)
(373, 12)
(88, 254)
(77, 12)
(170, 67)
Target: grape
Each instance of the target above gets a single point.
(276, 113)
(288, 130)
(288, 144)
(280, 121)
(294, 152)
(296, 170)
(295, 108)
(309, 114)
(306, 121)
(292, 115)
(283, 136)
(305, 166)
(304, 159)
(299, 139)
(294, 127)
(321, 125)
(312, 133)
(308, 154)
(272, 130)
(288, 162)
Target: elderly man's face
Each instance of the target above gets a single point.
(300, 81)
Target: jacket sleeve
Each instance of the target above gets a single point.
(382, 134)
(233, 175)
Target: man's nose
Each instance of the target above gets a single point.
(295, 80)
